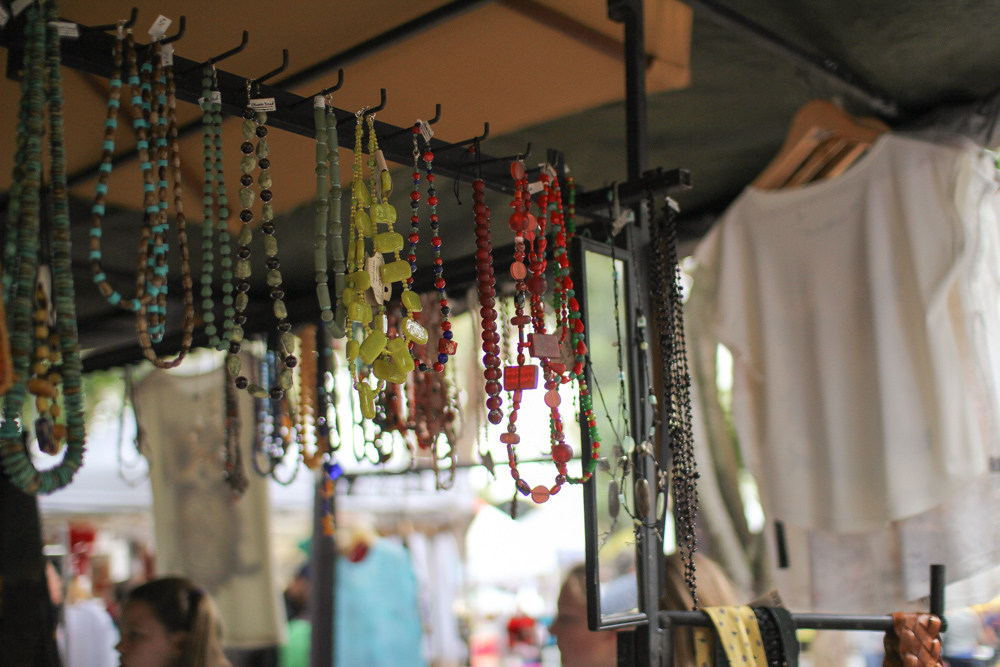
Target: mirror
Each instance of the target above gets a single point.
(612, 588)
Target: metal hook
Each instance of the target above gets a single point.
(416, 127)
(222, 56)
(381, 105)
(511, 158)
(467, 142)
(367, 111)
(324, 92)
(133, 17)
(181, 29)
(275, 72)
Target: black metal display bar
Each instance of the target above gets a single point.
(827, 67)
(92, 53)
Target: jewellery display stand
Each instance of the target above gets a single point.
(649, 643)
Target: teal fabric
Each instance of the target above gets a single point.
(377, 622)
(295, 653)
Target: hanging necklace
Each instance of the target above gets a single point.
(668, 310)
(254, 125)
(446, 345)
(328, 224)
(169, 140)
(43, 87)
(216, 213)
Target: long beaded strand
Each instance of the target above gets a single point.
(668, 309)
(254, 124)
(214, 192)
(43, 85)
(146, 338)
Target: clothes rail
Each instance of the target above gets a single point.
(875, 623)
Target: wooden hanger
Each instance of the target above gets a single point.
(823, 141)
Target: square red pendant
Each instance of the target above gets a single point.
(446, 346)
(543, 345)
(520, 377)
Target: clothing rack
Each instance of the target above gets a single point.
(875, 623)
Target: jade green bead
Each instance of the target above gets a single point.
(247, 197)
(257, 391)
(288, 342)
(267, 212)
(247, 164)
(273, 278)
(237, 332)
(372, 346)
(264, 179)
(280, 310)
(396, 271)
(249, 129)
(242, 268)
(389, 242)
(242, 300)
(260, 117)
(411, 301)
(263, 150)
(285, 379)
(270, 245)
(246, 234)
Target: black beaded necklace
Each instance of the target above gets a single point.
(667, 302)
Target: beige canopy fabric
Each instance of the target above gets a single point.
(514, 64)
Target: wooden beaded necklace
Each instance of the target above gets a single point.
(42, 86)
(254, 125)
(169, 142)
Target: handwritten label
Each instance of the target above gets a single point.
(319, 102)
(159, 28)
(215, 99)
(66, 29)
(425, 130)
(19, 6)
(4, 16)
(167, 55)
(263, 104)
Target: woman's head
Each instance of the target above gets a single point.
(578, 646)
(169, 622)
(714, 590)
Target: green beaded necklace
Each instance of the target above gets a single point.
(328, 223)
(254, 124)
(42, 85)
(214, 192)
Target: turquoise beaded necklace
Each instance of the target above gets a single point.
(42, 85)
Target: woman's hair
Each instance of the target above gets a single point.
(714, 590)
(181, 606)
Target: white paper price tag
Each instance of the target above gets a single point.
(263, 104)
(19, 6)
(319, 102)
(4, 16)
(425, 130)
(536, 187)
(216, 97)
(625, 217)
(548, 169)
(159, 28)
(66, 29)
(167, 55)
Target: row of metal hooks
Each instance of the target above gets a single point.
(471, 145)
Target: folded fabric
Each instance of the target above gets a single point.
(737, 634)
(777, 630)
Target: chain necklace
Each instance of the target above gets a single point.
(667, 303)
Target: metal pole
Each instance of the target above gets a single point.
(322, 584)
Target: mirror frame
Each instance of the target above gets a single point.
(596, 619)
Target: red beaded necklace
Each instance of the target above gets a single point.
(555, 352)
